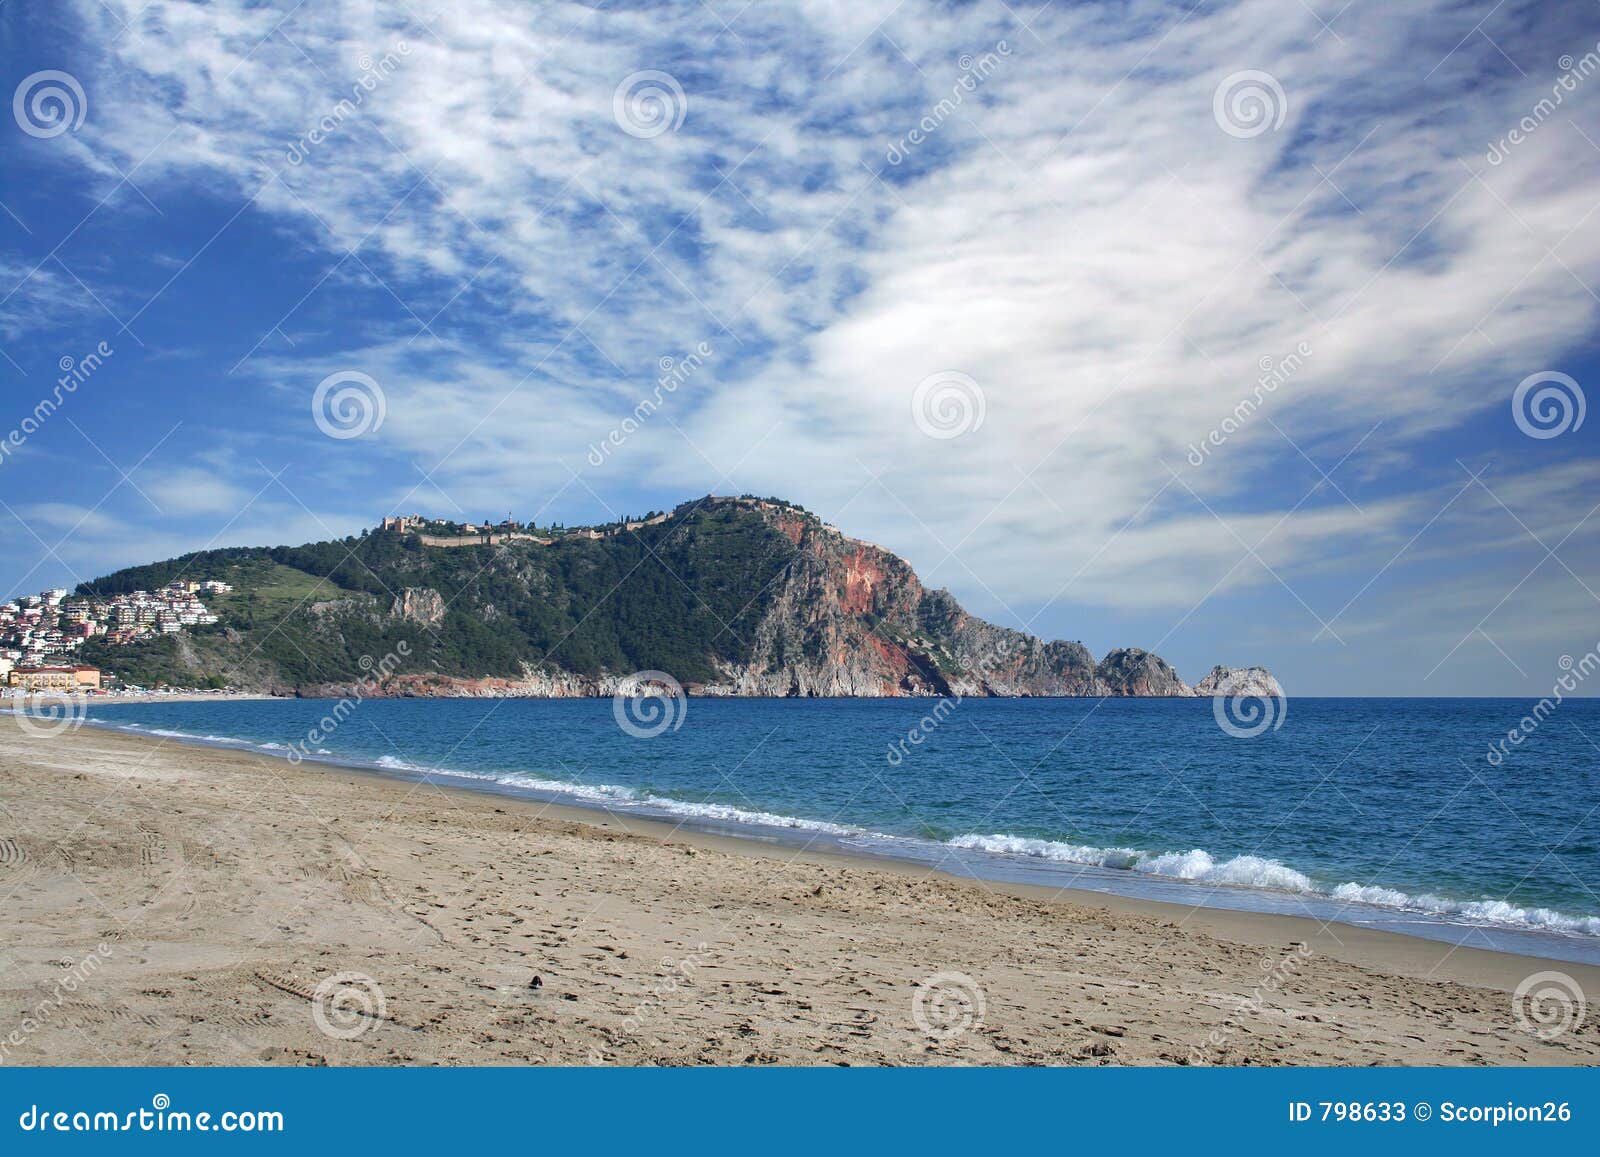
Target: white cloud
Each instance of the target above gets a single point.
(1079, 236)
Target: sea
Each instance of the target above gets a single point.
(1418, 816)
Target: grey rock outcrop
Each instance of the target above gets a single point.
(1240, 682)
(419, 604)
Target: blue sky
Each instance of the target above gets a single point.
(1089, 225)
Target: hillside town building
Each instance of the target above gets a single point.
(37, 631)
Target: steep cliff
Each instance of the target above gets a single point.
(727, 596)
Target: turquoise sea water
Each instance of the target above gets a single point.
(1379, 812)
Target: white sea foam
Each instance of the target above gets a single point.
(1247, 871)
(727, 813)
(1475, 911)
(169, 734)
(1259, 872)
(1196, 864)
(616, 795)
(1051, 850)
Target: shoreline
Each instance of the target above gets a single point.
(1350, 943)
(1353, 943)
(409, 882)
(1084, 879)
(89, 699)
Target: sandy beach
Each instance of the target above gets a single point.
(172, 904)
(14, 698)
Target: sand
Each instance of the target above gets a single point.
(12, 697)
(171, 904)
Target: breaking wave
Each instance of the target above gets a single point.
(1258, 872)
(644, 801)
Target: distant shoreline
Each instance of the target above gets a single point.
(13, 695)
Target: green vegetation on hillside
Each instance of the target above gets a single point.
(678, 596)
(154, 661)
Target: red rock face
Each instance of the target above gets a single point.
(862, 576)
(893, 658)
(790, 527)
